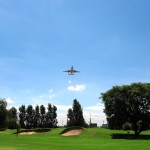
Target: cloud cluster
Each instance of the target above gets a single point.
(69, 81)
(63, 107)
(95, 117)
(9, 100)
(98, 107)
(79, 87)
(48, 95)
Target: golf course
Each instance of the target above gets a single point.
(88, 139)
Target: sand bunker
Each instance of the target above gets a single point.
(73, 132)
(29, 133)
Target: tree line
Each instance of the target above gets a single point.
(126, 107)
(28, 117)
(38, 117)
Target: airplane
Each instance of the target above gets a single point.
(71, 71)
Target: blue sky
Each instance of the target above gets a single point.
(107, 40)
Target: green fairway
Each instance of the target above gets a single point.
(92, 138)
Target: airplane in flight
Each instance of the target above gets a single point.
(71, 71)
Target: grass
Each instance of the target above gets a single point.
(90, 139)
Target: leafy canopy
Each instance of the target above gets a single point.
(128, 103)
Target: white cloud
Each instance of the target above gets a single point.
(95, 118)
(96, 113)
(51, 91)
(47, 96)
(10, 106)
(62, 119)
(51, 96)
(9, 100)
(79, 87)
(69, 81)
(63, 107)
(99, 107)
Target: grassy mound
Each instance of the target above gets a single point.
(71, 128)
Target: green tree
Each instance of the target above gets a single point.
(54, 116)
(43, 119)
(30, 117)
(51, 116)
(75, 115)
(128, 103)
(22, 116)
(3, 113)
(12, 118)
(37, 117)
(70, 118)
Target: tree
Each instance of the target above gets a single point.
(75, 115)
(22, 116)
(37, 117)
(128, 103)
(54, 116)
(3, 113)
(30, 117)
(43, 119)
(51, 115)
(12, 118)
(71, 118)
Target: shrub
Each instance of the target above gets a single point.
(126, 126)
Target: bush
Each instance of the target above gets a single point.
(2, 129)
(127, 126)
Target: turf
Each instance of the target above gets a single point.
(90, 139)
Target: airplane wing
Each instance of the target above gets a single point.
(67, 71)
(75, 71)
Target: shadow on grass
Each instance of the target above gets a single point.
(130, 137)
